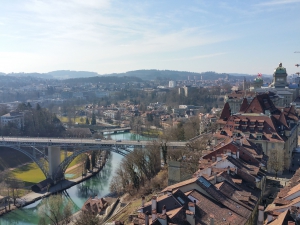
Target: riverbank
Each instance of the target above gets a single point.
(59, 187)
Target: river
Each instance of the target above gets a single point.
(97, 185)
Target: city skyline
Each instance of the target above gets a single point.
(114, 36)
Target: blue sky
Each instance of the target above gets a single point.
(107, 36)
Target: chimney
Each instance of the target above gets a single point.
(147, 218)
(192, 207)
(154, 215)
(164, 210)
(190, 217)
(215, 178)
(260, 220)
(228, 170)
(143, 201)
(212, 218)
(154, 202)
(213, 159)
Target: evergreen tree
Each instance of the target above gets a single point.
(93, 159)
(87, 121)
(88, 163)
(38, 107)
(164, 153)
(93, 121)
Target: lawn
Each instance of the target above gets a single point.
(31, 173)
(65, 119)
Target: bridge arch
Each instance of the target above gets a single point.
(67, 161)
(32, 157)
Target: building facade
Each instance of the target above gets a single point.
(13, 117)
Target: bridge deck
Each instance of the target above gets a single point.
(77, 141)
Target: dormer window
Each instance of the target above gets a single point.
(259, 136)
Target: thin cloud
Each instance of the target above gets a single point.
(197, 57)
(280, 2)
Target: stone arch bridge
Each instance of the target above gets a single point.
(51, 164)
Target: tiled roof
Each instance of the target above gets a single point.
(269, 131)
(260, 104)
(282, 219)
(95, 205)
(226, 112)
(222, 214)
(244, 105)
(180, 184)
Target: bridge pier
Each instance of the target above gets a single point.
(54, 160)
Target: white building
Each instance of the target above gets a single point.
(172, 84)
(13, 117)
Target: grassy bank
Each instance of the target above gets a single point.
(79, 120)
(31, 173)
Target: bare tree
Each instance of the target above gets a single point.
(275, 163)
(87, 218)
(55, 210)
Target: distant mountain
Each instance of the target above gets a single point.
(141, 74)
(36, 75)
(174, 75)
(66, 74)
(103, 79)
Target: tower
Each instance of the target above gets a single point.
(279, 77)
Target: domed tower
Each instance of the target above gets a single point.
(279, 77)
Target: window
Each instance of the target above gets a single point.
(273, 145)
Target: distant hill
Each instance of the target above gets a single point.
(141, 74)
(66, 74)
(176, 75)
(36, 75)
(103, 79)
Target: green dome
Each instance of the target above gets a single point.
(280, 69)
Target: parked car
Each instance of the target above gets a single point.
(118, 140)
(97, 139)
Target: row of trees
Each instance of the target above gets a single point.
(10, 187)
(58, 210)
(37, 122)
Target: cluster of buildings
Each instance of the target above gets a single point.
(286, 203)
(281, 92)
(227, 189)
(257, 133)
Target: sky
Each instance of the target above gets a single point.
(112, 36)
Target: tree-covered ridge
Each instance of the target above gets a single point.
(103, 79)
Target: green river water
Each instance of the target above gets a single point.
(97, 185)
